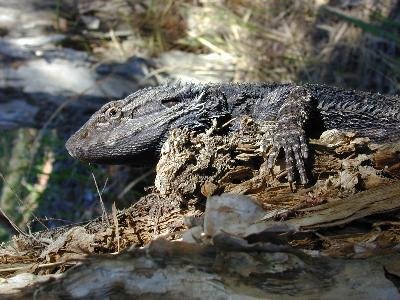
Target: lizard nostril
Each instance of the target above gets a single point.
(84, 134)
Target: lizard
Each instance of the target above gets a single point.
(132, 130)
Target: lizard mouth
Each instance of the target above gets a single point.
(73, 149)
(79, 147)
(83, 151)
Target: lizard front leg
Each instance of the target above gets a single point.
(289, 134)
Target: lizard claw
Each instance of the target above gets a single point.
(295, 148)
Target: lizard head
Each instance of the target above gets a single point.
(132, 130)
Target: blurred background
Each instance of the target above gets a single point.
(62, 59)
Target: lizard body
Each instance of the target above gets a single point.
(132, 130)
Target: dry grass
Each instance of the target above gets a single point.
(275, 40)
(349, 43)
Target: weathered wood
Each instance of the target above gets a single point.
(339, 212)
(181, 270)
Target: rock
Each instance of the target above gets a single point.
(230, 214)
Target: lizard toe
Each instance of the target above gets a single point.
(299, 159)
(289, 163)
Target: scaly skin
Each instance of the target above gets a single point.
(132, 130)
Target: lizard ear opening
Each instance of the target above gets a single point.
(170, 102)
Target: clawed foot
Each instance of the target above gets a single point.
(294, 145)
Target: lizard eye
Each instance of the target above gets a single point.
(113, 113)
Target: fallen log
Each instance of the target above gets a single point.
(181, 270)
